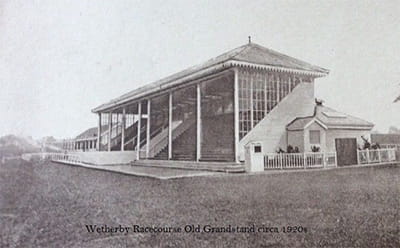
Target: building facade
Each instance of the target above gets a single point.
(211, 111)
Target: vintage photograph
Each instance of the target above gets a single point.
(200, 123)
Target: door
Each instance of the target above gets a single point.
(346, 151)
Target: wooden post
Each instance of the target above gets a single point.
(109, 130)
(367, 150)
(358, 157)
(251, 102)
(236, 112)
(170, 126)
(123, 127)
(304, 160)
(148, 128)
(336, 165)
(138, 130)
(99, 133)
(379, 155)
(198, 135)
(278, 96)
(266, 95)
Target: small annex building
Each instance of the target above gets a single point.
(324, 128)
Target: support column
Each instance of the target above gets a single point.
(109, 130)
(266, 80)
(251, 103)
(138, 130)
(170, 126)
(148, 129)
(99, 133)
(123, 124)
(236, 113)
(278, 95)
(198, 136)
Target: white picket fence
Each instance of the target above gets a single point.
(61, 157)
(299, 160)
(71, 158)
(376, 156)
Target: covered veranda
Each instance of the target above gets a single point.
(194, 121)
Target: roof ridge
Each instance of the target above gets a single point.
(269, 50)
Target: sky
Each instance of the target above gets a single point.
(61, 58)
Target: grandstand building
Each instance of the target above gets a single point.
(210, 112)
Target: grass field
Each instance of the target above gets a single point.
(48, 205)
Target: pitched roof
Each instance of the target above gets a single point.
(89, 133)
(299, 123)
(250, 53)
(254, 53)
(330, 119)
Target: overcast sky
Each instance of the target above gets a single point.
(59, 58)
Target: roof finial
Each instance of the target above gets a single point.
(249, 39)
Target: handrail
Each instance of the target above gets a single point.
(177, 131)
(135, 137)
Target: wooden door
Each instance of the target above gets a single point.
(346, 151)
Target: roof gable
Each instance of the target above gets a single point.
(254, 53)
(333, 120)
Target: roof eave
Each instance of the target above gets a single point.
(354, 127)
(204, 72)
(164, 86)
(322, 73)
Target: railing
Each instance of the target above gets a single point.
(376, 156)
(161, 140)
(67, 157)
(71, 157)
(299, 160)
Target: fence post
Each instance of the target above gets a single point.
(336, 164)
(323, 160)
(379, 156)
(367, 150)
(304, 160)
(280, 160)
(358, 157)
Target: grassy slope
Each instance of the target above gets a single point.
(48, 204)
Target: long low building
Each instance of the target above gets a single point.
(210, 112)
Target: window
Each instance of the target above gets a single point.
(315, 137)
(257, 149)
(259, 92)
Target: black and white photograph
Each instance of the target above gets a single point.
(259, 123)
